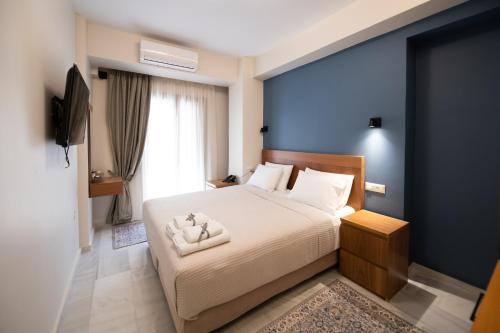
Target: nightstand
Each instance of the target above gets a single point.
(218, 183)
(374, 252)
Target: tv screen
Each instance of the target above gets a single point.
(71, 113)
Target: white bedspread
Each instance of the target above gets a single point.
(271, 236)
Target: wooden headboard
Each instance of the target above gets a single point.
(346, 164)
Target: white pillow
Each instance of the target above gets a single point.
(343, 182)
(316, 191)
(265, 177)
(285, 176)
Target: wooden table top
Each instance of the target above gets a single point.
(375, 223)
(219, 183)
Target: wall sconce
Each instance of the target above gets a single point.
(375, 122)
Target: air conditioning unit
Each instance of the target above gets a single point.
(168, 56)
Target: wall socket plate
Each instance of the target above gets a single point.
(372, 187)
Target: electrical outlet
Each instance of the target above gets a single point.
(372, 187)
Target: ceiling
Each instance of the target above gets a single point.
(235, 27)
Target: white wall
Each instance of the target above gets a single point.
(38, 195)
(235, 166)
(100, 148)
(86, 230)
(253, 115)
(245, 120)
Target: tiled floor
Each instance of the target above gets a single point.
(119, 291)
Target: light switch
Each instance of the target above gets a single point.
(372, 187)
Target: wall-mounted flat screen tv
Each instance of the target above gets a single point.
(70, 114)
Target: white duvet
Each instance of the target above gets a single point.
(271, 236)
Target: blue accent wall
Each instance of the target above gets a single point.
(325, 106)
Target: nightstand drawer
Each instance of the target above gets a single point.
(365, 245)
(364, 273)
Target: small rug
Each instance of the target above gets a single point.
(128, 234)
(339, 308)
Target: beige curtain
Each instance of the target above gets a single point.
(129, 97)
(187, 140)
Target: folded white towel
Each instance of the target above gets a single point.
(184, 248)
(172, 229)
(190, 220)
(192, 234)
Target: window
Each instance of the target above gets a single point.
(174, 153)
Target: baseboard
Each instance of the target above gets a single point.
(66, 290)
(97, 223)
(91, 236)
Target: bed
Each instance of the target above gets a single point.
(275, 244)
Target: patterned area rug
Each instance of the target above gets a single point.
(339, 308)
(128, 234)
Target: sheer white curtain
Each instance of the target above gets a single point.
(186, 139)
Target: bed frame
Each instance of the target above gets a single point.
(220, 315)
